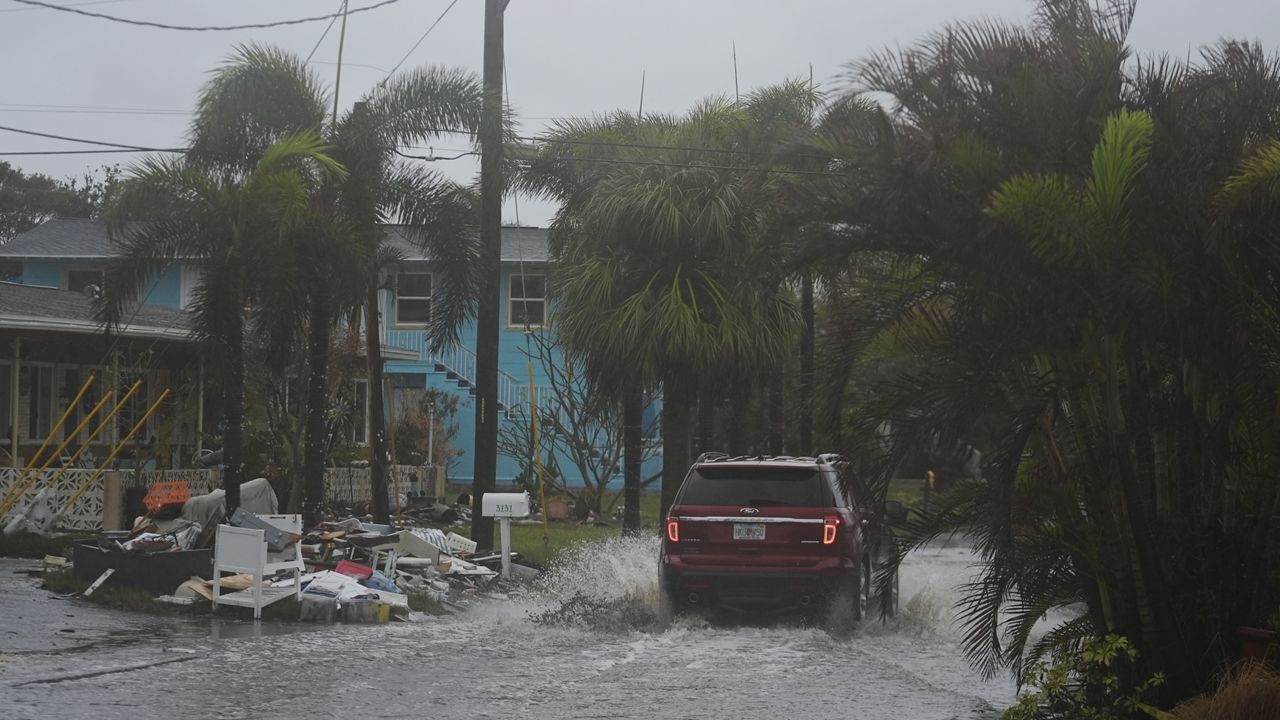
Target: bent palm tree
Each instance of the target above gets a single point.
(227, 223)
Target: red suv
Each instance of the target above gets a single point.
(755, 533)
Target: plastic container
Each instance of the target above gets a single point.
(366, 610)
(355, 570)
(318, 608)
(166, 493)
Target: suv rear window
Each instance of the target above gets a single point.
(755, 486)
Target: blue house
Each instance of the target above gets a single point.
(71, 254)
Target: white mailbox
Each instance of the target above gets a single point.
(505, 505)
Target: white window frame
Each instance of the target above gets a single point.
(512, 299)
(191, 277)
(431, 281)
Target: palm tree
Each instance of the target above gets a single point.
(650, 246)
(227, 222)
(264, 93)
(1063, 253)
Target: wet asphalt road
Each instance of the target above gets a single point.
(491, 662)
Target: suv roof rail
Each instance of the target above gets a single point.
(716, 456)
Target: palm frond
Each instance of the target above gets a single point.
(260, 95)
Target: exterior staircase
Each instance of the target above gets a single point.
(458, 363)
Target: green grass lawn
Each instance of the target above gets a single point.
(908, 491)
(527, 538)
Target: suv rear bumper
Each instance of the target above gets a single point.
(752, 588)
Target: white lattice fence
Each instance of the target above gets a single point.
(350, 486)
(85, 514)
(347, 486)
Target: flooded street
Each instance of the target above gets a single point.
(495, 661)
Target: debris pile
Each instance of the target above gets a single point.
(187, 553)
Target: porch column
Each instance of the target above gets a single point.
(200, 405)
(13, 400)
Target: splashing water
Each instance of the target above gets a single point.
(603, 586)
(611, 586)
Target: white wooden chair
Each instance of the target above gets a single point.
(244, 550)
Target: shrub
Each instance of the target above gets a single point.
(1250, 693)
(1095, 683)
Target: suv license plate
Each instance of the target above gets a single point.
(748, 531)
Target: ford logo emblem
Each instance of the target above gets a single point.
(749, 511)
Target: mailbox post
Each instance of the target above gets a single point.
(505, 506)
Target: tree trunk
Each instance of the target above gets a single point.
(806, 366)
(1140, 526)
(706, 421)
(378, 456)
(675, 437)
(632, 447)
(317, 397)
(233, 434)
(739, 404)
(775, 414)
(486, 444)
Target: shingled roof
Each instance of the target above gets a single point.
(33, 307)
(81, 239)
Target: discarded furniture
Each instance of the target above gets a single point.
(157, 573)
(244, 550)
(405, 544)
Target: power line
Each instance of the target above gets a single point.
(54, 106)
(415, 45)
(87, 152)
(93, 2)
(702, 166)
(85, 141)
(69, 111)
(322, 36)
(346, 64)
(433, 157)
(199, 28)
(656, 163)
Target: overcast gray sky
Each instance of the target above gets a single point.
(86, 77)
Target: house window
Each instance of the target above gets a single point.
(36, 383)
(78, 280)
(413, 298)
(360, 413)
(527, 298)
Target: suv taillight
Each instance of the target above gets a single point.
(830, 524)
(673, 529)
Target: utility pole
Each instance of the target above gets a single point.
(486, 448)
(342, 41)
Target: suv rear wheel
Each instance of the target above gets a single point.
(850, 600)
(890, 604)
